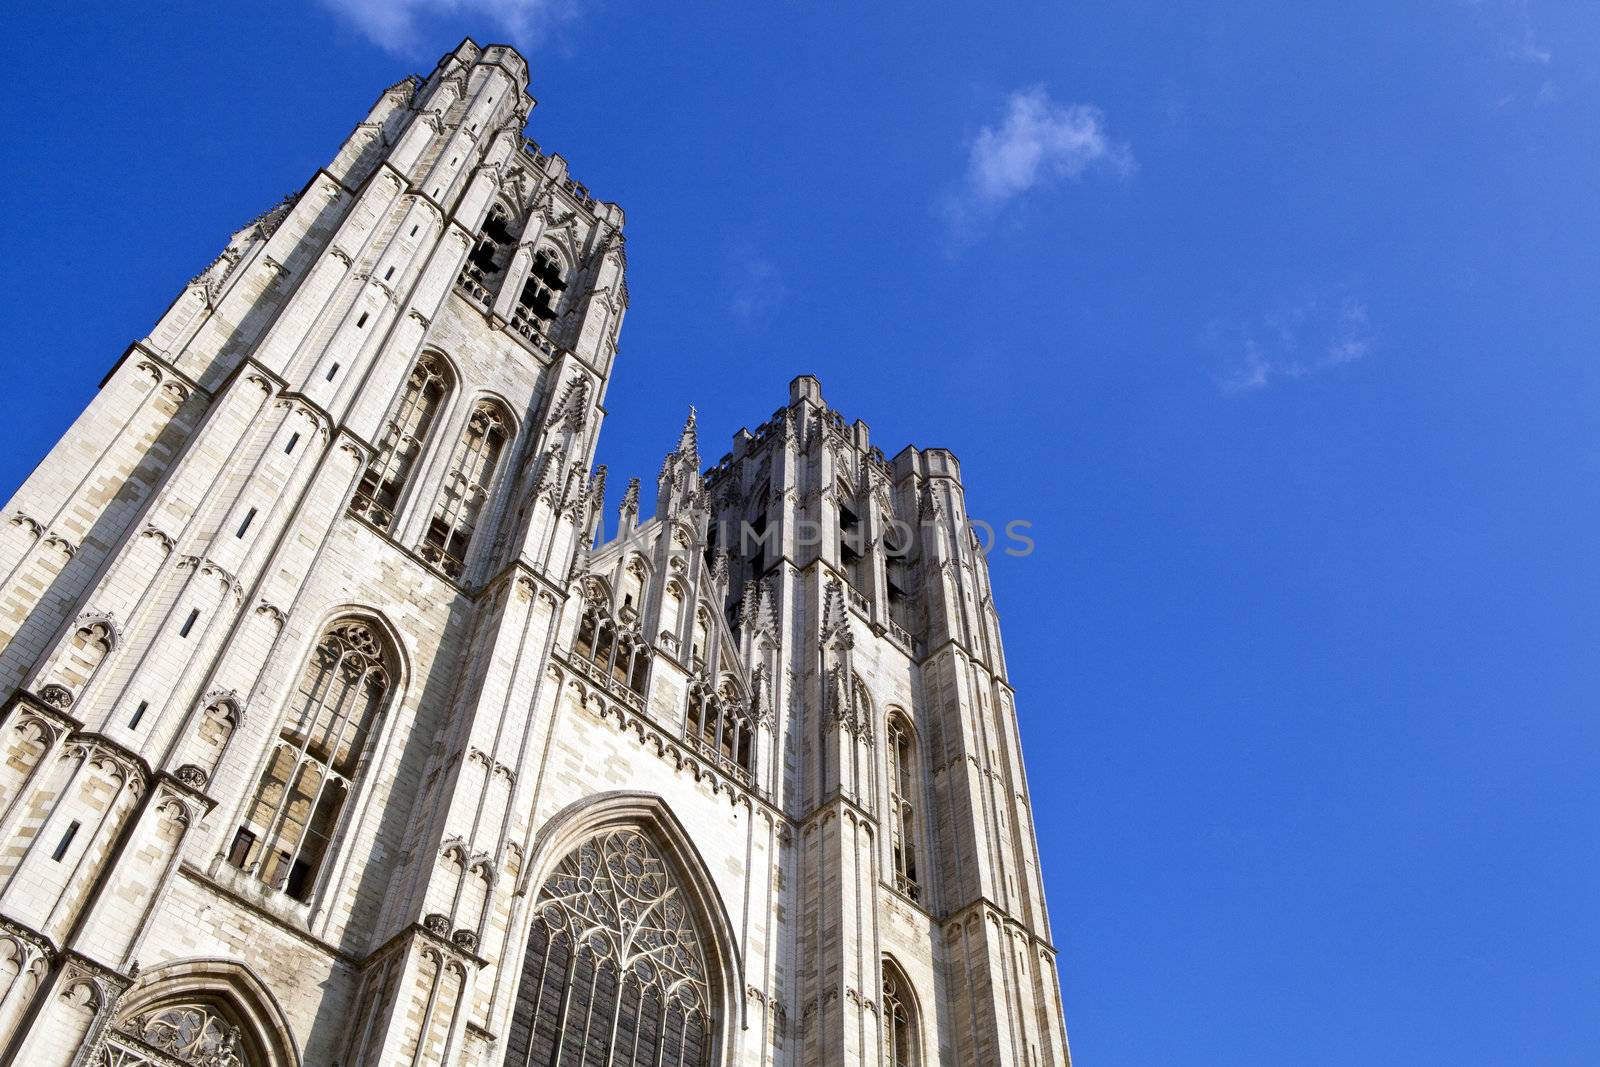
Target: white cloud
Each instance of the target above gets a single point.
(1035, 143)
(396, 24)
(1304, 339)
(1038, 140)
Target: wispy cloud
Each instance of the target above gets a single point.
(755, 285)
(1296, 341)
(398, 25)
(1036, 143)
(1518, 41)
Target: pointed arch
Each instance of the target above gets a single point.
(902, 1028)
(345, 686)
(904, 772)
(648, 816)
(219, 1008)
(550, 274)
(406, 434)
(474, 468)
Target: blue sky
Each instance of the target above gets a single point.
(1277, 320)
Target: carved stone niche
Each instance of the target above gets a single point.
(57, 696)
(191, 776)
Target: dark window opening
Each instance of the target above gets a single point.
(294, 439)
(755, 532)
(362, 321)
(541, 294)
(188, 624)
(898, 573)
(388, 274)
(249, 517)
(138, 713)
(239, 851)
(66, 841)
(850, 546)
(415, 228)
(332, 371)
(489, 257)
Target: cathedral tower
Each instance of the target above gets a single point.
(337, 732)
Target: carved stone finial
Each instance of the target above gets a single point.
(835, 620)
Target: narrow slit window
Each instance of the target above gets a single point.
(362, 321)
(249, 517)
(188, 624)
(415, 228)
(138, 713)
(332, 371)
(388, 274)
(66, 841)
(294, 439)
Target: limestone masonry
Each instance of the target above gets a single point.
(333, 738)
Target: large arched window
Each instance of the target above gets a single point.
(289, 825)
(206, 1013)
(901, 752)
(404, 436)
(899, 1020)
(614, 975)
(466, 489)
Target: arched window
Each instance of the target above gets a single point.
(719, 725)
(404, 436)
(289, 825)
(697, 640)
(902, 812)
(541, 296)
(899, 1023)
(609, 653)
(614, 974)
(493, 251)
(466, 489)
(671, 617)
(201, 1030)
(206, 1013)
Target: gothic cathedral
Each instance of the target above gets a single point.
(343, 730)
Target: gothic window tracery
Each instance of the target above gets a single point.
(614, 973)
(288, 828)
(466, 489)
(899, 1028)
(900, 751)
(196, 1032)
(405, 435)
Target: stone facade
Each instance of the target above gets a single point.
(334, 737)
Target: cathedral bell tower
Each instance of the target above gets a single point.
(331, 732)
